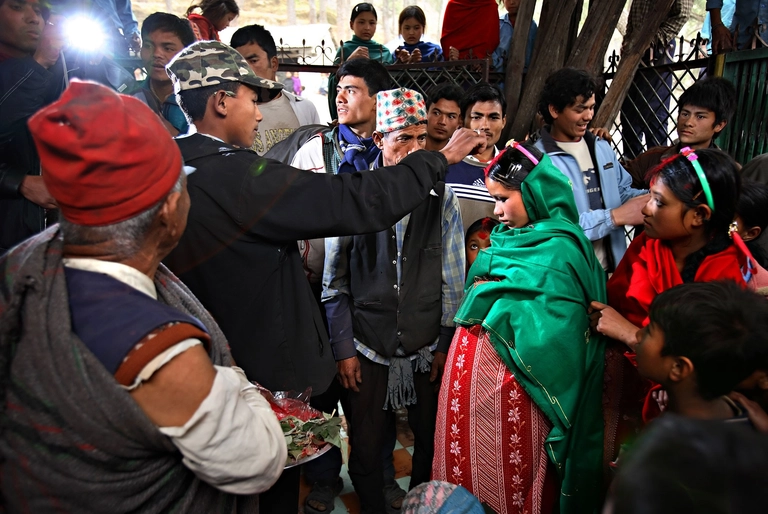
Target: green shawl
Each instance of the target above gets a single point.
(542, 279)
(376, 52)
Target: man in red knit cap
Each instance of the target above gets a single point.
(107, 358)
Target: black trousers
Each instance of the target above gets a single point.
(369, 424)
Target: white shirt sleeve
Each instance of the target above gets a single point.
(310, 156)
(233, 441)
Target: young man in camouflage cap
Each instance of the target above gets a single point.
(406, 282)
(239, 253)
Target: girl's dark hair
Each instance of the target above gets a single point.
(753, 204)
(412, 11)
(510, 167)
(678, 174)
(215, 10)
(486, 224)
(361, 8)
(753, 211)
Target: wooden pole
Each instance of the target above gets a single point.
(548, 56)
(589, 50)
(513, 77)
(638, 43)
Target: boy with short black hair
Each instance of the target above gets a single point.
(286, 112)
(163, 36)
(443, 114)
(703, 339)
(602, 188)
(482, 109)
(704, 110)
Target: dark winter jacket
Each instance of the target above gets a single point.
(25, 87)
(239, 256)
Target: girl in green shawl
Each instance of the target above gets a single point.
(519, 415)
(363, 24)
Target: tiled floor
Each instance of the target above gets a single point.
(347, 501)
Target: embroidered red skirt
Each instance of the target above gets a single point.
(490, 435)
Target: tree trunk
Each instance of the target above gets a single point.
(589, 50)
(573, 30)
(513, 76)
(342, 17)
(291, 12)
(639, 41)
(548, 55)
(322, 15)
(312, 12)
(168, 6)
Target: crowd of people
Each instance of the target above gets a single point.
(163, 251)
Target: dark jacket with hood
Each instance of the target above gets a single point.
(239, 255)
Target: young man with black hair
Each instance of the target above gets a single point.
(163, 36)
(482, 109)
(31, 76)
(443, 114)
(601, 186)
(286, 112)
(239, 253)
(704, 110)
(346, 148)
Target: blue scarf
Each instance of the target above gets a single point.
(359, 153)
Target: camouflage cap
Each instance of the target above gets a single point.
(208, 63)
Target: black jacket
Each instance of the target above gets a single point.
(25, 87)
(239, 255)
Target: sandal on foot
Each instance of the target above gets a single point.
(323, 496)
(393, 498)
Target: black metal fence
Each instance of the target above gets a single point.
(649, 112)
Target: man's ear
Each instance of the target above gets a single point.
(219, 100)
(378, 140)
(720, 126)
(274, 63)
(681, 369)
(167, 216)
(553, 112)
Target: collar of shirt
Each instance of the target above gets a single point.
(125, 274)
(471, 159)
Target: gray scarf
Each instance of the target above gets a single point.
(401, 390)
(72, 439)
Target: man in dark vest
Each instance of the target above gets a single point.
(391, 297)
(239, 253)
(117, 391)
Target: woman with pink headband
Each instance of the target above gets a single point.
(519, 414)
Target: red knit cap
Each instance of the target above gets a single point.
(105, 157)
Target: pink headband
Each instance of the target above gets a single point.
(525, 152)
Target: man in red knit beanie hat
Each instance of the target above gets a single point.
(135, 377)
